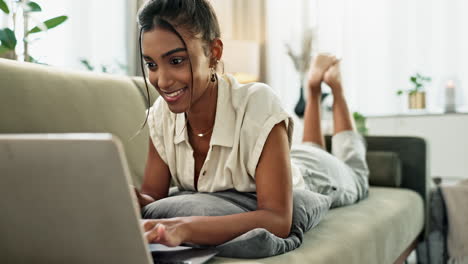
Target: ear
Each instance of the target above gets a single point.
(216, 50)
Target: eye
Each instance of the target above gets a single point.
(176, 61)
(150, 65)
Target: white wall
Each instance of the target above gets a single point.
(446, 136)
(286, 22)
(3, 20)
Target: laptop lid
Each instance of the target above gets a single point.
(66, 198)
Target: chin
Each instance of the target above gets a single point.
(177, 109)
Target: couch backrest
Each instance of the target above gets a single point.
(44, 99)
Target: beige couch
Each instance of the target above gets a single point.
(381, 229)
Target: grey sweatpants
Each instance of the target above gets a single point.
(341, 175)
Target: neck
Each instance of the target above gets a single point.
(202, 113)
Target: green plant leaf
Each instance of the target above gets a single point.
(4, 7)
(8, 38)
(34, 7)
(51, 23)
(399, 92)
(33, 60)
(358, 116)
(413, 79)
(88, 65)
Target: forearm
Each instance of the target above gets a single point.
(215, 230)
(145, 199)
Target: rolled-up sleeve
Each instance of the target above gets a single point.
(262, 112)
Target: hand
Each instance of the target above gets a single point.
(142, 198)
(170, 232)
(319, 66)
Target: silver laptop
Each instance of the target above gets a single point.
(66, 198)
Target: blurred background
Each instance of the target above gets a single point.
(404, 63)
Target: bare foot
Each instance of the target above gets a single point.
(332, 78)
(167, 232)
(319, 66)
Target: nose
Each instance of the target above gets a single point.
(162, 79)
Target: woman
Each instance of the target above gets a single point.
(209, 134)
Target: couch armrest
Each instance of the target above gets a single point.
(412, 152)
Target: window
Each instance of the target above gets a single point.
(381, 44)
(95, 30)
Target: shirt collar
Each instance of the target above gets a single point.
(225, 120)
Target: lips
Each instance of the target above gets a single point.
(174, 95)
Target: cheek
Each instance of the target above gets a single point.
(201, 69)
(151, 77)
(177, 75)
(185, 75)
(202, 73)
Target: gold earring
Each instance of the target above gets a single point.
(213, 74)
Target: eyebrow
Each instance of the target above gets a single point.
(167, 53)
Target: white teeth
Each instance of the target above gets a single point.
(174, 94)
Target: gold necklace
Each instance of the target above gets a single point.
(201, 134)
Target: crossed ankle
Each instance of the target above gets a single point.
(314, 82)
(315, 94)
(338, 97)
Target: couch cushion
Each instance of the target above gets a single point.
(309, 208)
(43, 99)
(375, 230)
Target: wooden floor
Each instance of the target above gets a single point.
(405, 256)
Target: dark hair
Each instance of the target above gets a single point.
(196, 16)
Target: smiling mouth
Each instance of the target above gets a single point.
(173, 96)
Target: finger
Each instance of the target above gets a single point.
(161, 231)
(154, 235)
(149, 224)
(134, 189)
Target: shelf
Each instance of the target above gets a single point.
(416, 114)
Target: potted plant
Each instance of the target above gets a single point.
(21, 13)
(360, 122)
(417, 94)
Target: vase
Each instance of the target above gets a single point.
(417, 100)
(11, 55)
(300, 106)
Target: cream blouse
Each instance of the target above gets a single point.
(245, 115)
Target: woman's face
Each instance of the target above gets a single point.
(168, 66)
